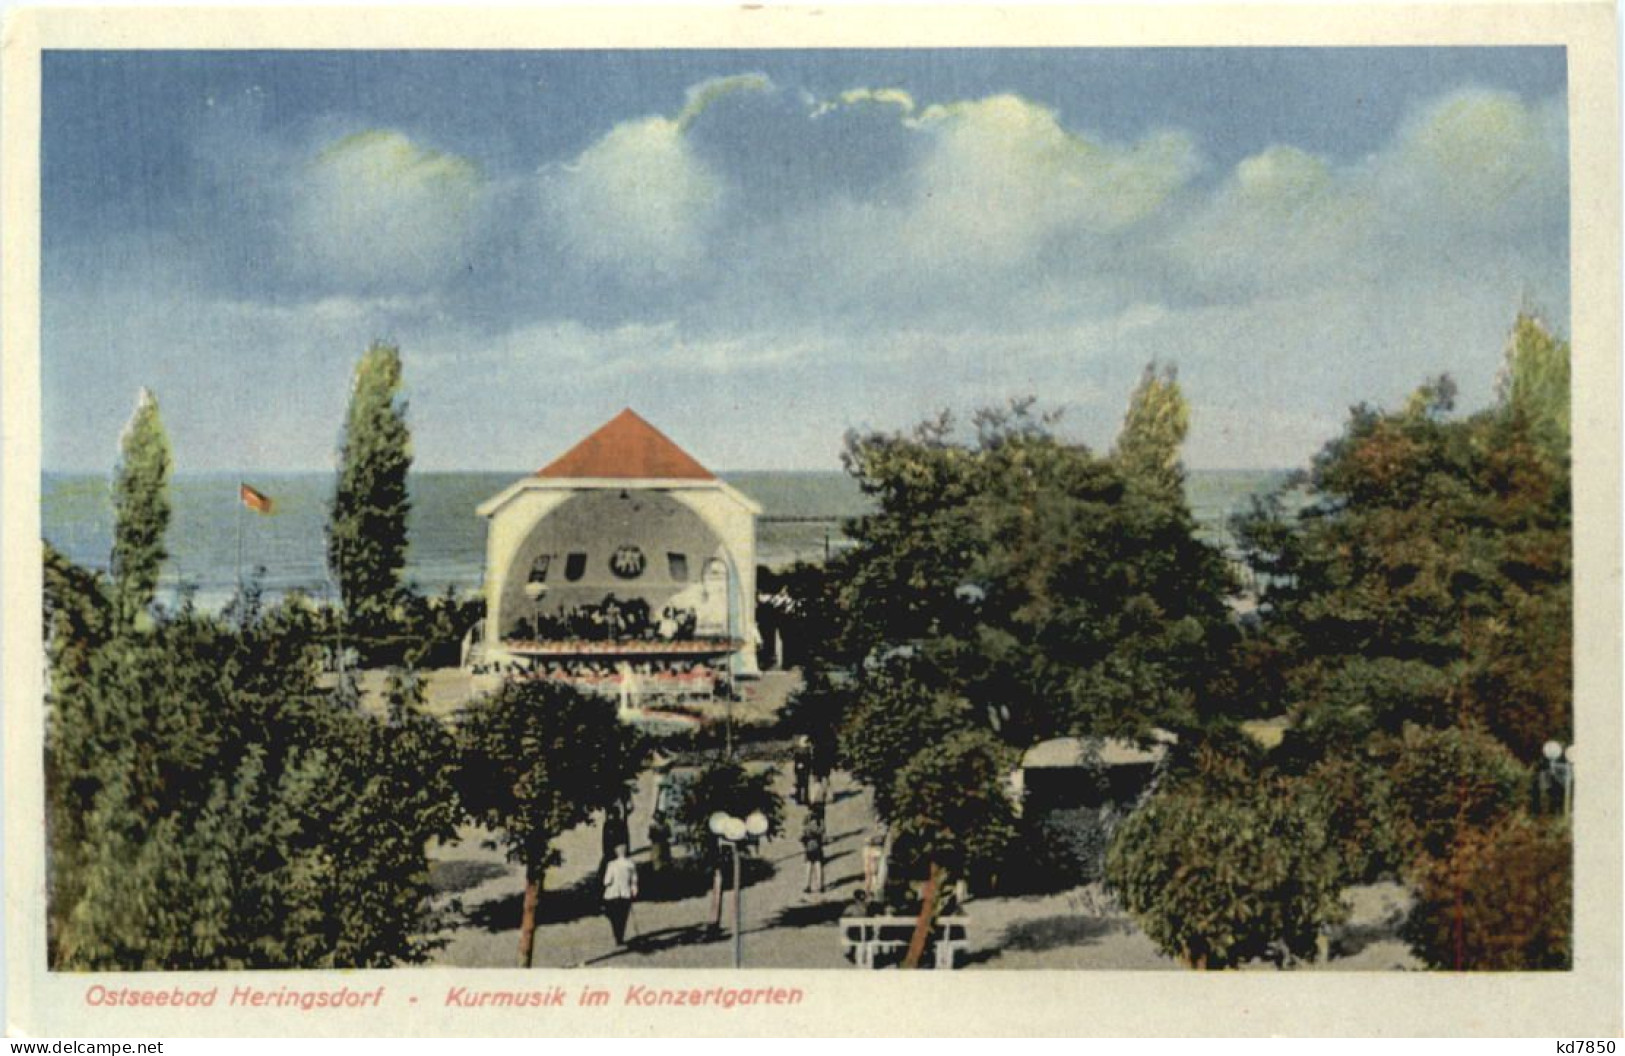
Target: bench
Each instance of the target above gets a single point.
(865, 939)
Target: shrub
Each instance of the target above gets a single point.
(1065, 847)
(1352, 700)
(1355, 797)
(1503, 900)
(726, 785)
(1447, 781)
(1228, 866)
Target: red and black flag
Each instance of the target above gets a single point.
(255, 500)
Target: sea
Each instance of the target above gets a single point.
(212, 537)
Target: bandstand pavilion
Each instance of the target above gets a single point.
(623, 566)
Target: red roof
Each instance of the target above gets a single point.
(626, 448)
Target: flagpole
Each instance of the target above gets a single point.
(240, 600)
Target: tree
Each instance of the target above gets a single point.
(951, 814)
(1425, 579)
(1032, 580)
(1018, 587)
(725, 785)
(141, 508)
(403, 769)
(211, 807)
(366, 532)
(1153, 432)
(1228, 865)
(1503, 900)
(1447, 782)
(538, 760)
(1534, 383)
(1417, 621)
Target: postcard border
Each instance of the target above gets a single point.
(1584, 1001)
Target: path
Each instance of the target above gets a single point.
(783, 927)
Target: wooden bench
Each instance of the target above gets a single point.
(866, 938)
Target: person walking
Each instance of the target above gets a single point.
(812, 845)
(874, 863)
(616, 832)
(801, 765)
(620, 888)
(659, 843)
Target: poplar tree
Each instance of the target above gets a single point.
(366, 532)
(1153, 432)
(1534, 383)
(141, 508)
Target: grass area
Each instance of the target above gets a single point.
(1267, 732)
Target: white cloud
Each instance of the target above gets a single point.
(702, 96)
(629, 350)
(1000, 251)
(1003, 175)
(377, 209)
(902, 100)
(641, 198)
(1467, 180)
(1482, 157)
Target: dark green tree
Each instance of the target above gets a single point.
(366, 531)
(209, 806)
(1417, 631)
(538, 760)
(1227, 865)
(141, 508)
(1033, 581)
(725, 784)
(901, 711)
(1014, 586)
(951, 814)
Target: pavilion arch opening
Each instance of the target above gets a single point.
(620, 563)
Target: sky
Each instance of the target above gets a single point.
(759, 250)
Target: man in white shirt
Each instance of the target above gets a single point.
(620, 888)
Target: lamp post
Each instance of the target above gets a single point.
(734, 832)
(1560, 765)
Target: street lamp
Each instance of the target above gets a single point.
(734, 832)
(1560, 765)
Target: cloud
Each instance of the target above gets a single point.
(753, 265)
(859, 96)
(1003, 174)
(376, 209)
(701, 97)
(243, 382)
(1482, 157)
(1467, 181)
(641, 198)
(664, 348)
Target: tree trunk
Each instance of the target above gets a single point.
(534, 877)
(922, 925)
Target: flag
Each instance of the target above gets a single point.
(257, 501)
